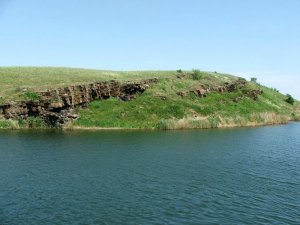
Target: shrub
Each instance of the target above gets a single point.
(179, 71)
(253, 79)
(162, 125)
(290, 99)
(32, 96)
(295, 116)
(4, 124)
(196, 75)
(35, 122)
(214, 121)
(9, 124)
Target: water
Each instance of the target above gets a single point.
(230, 176)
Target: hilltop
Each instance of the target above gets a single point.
(40, 97)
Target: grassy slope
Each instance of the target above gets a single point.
(16, 81)
(159, 106)
(151, 110)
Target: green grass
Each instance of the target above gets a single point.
(159, 107)
(16, 81)
(30, 96)
(150, 110)
(31, 122)
(6, 124)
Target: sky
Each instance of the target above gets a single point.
(250, 38)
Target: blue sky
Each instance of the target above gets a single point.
(254, 38)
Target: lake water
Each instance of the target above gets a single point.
(227, 176)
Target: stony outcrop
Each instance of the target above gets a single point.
(56, 107)
(254, 94)
(203, 90)
(231, 87)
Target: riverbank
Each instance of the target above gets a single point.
(174, 125)
(167, 100)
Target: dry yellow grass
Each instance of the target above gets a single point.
(256, 119)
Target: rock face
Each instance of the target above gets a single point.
(203, 90)
(56, 107)
(254, 94)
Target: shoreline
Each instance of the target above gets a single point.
(79, 128)
(173, 100)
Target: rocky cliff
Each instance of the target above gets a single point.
(56, 107)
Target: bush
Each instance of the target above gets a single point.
(162, 125)
(31, 96)
(295, 116)
(196, 75)
(9, 124)
(179, 71)
(253, 79)
(5, 124)
(35, 122)
(290, 99)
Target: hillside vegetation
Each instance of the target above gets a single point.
(175, 102)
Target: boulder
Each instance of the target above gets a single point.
(254, 94)
(201, 91)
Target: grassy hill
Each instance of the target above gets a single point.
(169, 104)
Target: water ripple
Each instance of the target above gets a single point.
(234, 176)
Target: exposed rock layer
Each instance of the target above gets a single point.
(56, 107)
(203, 90)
